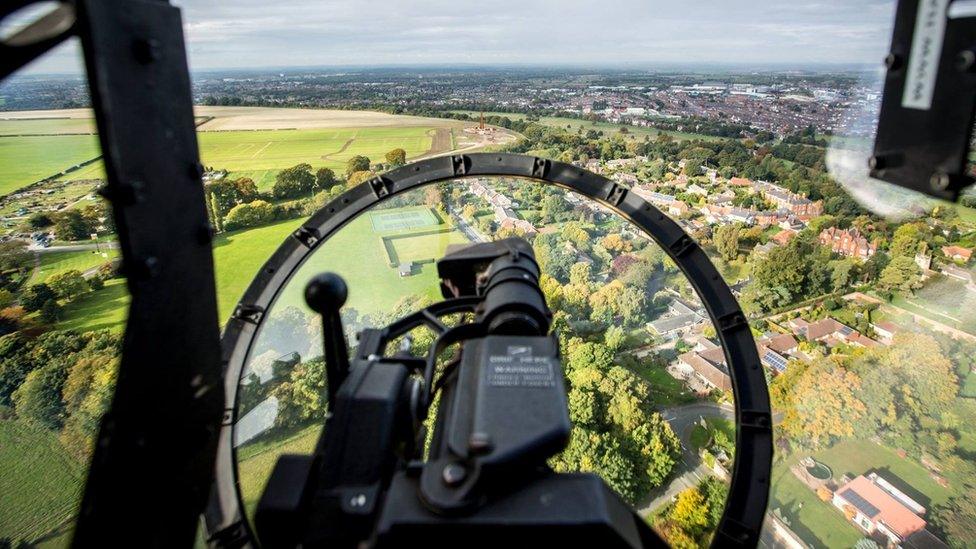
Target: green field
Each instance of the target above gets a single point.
(256, 460)
(46, 126)
(356, 252)
(426, 247)
(26, 160)
(260, 154)
(59, 262)
(574, 124)
(39, 482)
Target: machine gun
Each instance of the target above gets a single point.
(501, 413)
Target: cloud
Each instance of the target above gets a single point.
(256, 33)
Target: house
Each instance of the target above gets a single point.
(877, 507)
(695, 189)
(405, 269)
(740, 182)
(774, 351)
(957, 253)
(784, 198)
(829, 331)
(885, 331)
(708, 367)
(783, 237)
(678, 208)
(626, 178)
(680, 319)
(847, 242)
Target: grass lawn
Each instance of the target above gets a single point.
(357, 253)
(857, 457)
(820, 523)
(665, 390)
(26, 160)
(425, 247)
(257, 459)
(701, 436)
(102, 310)
(944, 301)
(59, 262)
(40, 484)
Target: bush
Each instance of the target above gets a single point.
(36, 296)
(96, 283)
(249, 215)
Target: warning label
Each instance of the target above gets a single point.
(519, 368)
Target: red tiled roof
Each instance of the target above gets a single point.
(780, 343)
(706, 369)
(888, 510)
(953, 251)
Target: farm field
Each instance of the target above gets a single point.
(40, 483)
(28, 159)
(59, 262)
(572, 124)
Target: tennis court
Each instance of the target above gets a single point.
(402, 219)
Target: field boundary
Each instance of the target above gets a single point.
(391, 253)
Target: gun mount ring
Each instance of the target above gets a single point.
(745, 507)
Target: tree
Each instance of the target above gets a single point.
(50, 312)
(39, 397)
(633, 306)
(358, 177)
(14, 256)
(819, 401)
(303, 396)
(468, 212)
(294, 182)
(902, 274)
(842, 273)
(689, 512)
(71, 225)
(355, 164)
(325, 179)
(615, 243)
(39, 220)
(726, 240)
(396, 157)
(553, 206)
(605, 302)
(68, 284)
(614, 338)
(905, 241)
(36, 296)
(247, 189)
(253, 214)
(957, 519)
(588, 355)
(579, 274)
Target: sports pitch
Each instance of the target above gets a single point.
(402, 219)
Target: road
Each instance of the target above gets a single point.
(469, 231)
(691, 471)
(72, 247)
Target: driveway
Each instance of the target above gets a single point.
(689, 469)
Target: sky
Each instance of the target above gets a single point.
(611, 33)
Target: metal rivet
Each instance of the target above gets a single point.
(966, 61)
(940, 181)
(892, 62)
(454, 474)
